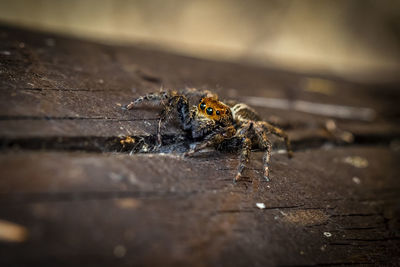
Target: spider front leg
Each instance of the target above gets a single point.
(152, 98)
(179, 102)
(213, 140)
(199, 93)
(169, 100)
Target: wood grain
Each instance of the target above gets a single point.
(83, 199)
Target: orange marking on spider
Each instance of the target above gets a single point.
(213, 109)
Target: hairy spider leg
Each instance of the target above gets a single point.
(275, 130)
(181, 104)
(173, 100)
(200, 93)
(265, 144)
(184, 112)
(244, 157)
(151, 97)
(186, 115)
(213, 139)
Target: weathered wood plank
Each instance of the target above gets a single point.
(29, 114)
(205, 218)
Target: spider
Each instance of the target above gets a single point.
(214, 123)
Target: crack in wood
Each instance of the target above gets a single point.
(7, 198)
(371, 240)
(47, 118)
(65, 89)
(171, 143)
(344, 263)
(360, 228)
(352, 244)
(355, 214)
(142, 144)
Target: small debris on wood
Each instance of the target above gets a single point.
(5, 53)
(260, 205)
(127, 140)
(327, 234)
(356, 161)
(12, 232)
(356, 180)
(338, 134)
(127, 203)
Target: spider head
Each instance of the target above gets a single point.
(215, 110)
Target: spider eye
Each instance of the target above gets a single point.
(217, 112)
(203, 106)
(209, 111)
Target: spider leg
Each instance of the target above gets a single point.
(213, 140)
(244, 157)
(280, 133)
(164, 116)
(159, 140)
(184, 112)
(154, 98)
(179, 102)
(266, 158)
(199, 93)
(266, 145)
(170, 101)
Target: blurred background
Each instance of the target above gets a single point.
(354, 40)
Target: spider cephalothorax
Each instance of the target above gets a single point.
(215, 110)
(212, 123)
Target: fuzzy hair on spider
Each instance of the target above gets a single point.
(212, 122)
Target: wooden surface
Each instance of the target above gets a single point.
(80, 197)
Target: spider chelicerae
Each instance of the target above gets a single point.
(213, 123)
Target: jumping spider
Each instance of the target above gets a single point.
(213, 123)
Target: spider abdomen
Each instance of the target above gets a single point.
(244, 112)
